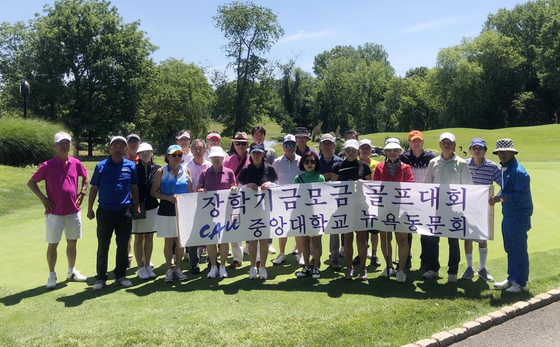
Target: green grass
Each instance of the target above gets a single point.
(234, 312)
(533, 143)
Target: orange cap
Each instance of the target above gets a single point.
(415, 134)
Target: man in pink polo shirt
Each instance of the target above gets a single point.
(236, 162)
(62, 204)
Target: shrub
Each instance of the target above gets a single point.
(225, 143)
(26, 141)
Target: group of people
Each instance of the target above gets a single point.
(137, 196)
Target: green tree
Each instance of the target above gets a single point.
(295, 91)
(409, 103)
(87, 67)
(350, 88)
(178, 97)
(251, 31)
(533, 28)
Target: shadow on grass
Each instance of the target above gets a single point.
(15, 299)
(282, 278)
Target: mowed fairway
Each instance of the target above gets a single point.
(283, 310)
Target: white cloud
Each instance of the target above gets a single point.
(433, 24)
(304, 35)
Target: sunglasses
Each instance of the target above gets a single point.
(389, 150)
(174, 155)
(289, 145)
(350, 150)
(240, 143)
(307, 162)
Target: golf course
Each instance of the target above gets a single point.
(281, 311)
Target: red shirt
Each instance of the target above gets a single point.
(129, 157)
(61, 183)
(403, 173)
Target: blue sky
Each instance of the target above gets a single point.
(412, 32)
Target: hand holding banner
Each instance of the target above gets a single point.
(310, 209)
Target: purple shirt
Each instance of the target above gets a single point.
(212, 180)
(61, 183)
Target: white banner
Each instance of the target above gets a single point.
(310, 209)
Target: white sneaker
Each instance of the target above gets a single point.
(223, 272)
(51, 283)
(178, 274)
(452, 278)
(502, 285)
(169, 276)
(279, 259)
(368, 255)
(271, 249)
(123, 282)
(262, 273)
(300, 260)
(341, 253)
(253, 273)
(514, 288)
(75, 275)
(246, 249)
(430, 274)
(99, 284)
(213, 272)
(387, 273)
(150, 271)
(401, 277)
(142, 273)
(295, 250)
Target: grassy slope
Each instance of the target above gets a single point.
(236, 311)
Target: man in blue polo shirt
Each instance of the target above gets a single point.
(115, 179)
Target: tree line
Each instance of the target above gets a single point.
(93, 72)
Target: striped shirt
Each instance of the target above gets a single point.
(487, 173)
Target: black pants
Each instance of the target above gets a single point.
(430, 254)
(107, 222)
(193, 256)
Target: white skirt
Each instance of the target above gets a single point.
(167, 226)
(146, 225)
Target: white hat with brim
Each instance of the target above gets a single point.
(366, 142)
(144, 147)
(505, 145)
(448, 136)
(118, 138)
(216, 152)
(393, 143)
(62, 136)
(351, 144)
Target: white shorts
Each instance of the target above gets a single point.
(167, 226)
(71, 224)
(146, 225)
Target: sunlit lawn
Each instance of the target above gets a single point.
(236, 311)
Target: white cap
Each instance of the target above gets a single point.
(118, 138)
(351, 144)
(144, 147)
(393, 143)
(289, 138)
(184, 134)
(448, 136)
(366, 142)
(216, 151)
(62, 136)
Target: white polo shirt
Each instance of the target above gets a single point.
(196, 170)
(286, 170)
